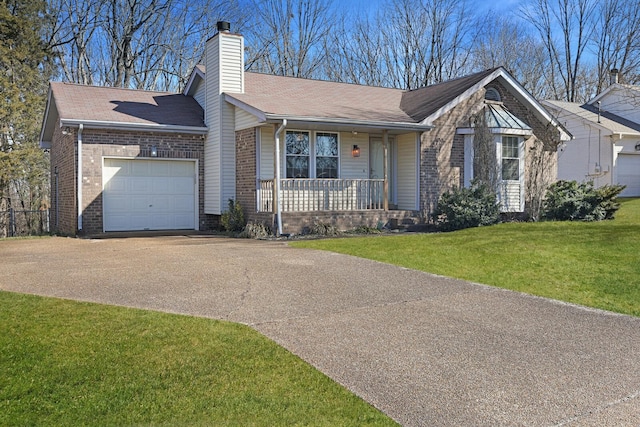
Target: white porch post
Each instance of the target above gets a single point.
(385, 168)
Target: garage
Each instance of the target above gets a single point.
(628, 171)
(143, 194)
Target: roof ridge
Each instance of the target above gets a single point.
(113, 88)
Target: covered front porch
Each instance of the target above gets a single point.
(330, 174)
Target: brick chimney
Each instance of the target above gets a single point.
(224, 61)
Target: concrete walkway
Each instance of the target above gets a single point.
(424, 349)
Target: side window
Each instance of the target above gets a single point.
(326, 155)
(510, 158)
(298, 151)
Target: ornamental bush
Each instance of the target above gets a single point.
(467, 207)
(574, 201)
(233, 218)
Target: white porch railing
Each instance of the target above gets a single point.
(309, 195)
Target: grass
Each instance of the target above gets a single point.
(67, 363)
(594, 264)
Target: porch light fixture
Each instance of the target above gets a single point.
(355, 152)
(154, 151)
(66, 130)
(637, 147)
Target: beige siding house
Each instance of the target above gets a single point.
(292, 151)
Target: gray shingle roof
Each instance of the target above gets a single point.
(422, 103)
(105, 104)
(614, 123)
(288, 96)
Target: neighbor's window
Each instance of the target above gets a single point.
(326, 155)
(510, 158)
(298, 151)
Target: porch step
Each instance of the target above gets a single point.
(412, 223)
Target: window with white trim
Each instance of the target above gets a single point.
(326, 155)
(510, 158)
(298, 154)
(307, 158)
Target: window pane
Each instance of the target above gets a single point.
(326, 167)
(510, 146)
(326, 144)
(297, 167)
(298, 143)
(510, 169)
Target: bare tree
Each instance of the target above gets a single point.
(617, 41)
(145, 44)
(508, 44)
(288, 36)
(569, 21)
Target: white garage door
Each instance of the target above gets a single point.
(628, 169)
(148, 195)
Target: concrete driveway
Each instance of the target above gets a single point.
(424, 349)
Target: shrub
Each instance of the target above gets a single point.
(233, 218)
(255, 231)
(573, 201)
(322, 229)
(467, 207)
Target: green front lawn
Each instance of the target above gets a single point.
(66, 363)
(593, 264)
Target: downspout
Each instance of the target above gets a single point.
(80, 127)
(277, 173)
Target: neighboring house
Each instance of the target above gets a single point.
(606, 148)
(292, 151)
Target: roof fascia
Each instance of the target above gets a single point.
(462, 97)
(398, 126)
(45, 137)
(497, 131)
(150, 127)
(195, 74)
(261, 115)
(584, 120)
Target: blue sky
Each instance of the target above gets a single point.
(504, 6)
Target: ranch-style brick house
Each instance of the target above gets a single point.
(292, 151)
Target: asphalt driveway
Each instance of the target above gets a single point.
(425, 349)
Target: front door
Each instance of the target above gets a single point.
(376, 164)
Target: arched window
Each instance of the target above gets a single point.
(492, 94)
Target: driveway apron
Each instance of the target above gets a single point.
(425, 349)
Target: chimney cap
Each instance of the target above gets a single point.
(614, 76)
(223, 26)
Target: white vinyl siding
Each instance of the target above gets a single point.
(200, 95)
(149, 194)
(267, 151)
(354, 167)
(245, 120)
(224, 60)
(407, 175)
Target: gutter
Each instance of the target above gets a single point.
(80, 129)
(277, 154)
(350, 122)
(151, 127)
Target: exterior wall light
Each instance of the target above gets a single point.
(637, 147)
(66, 130)
(355, 152)
(154, 151)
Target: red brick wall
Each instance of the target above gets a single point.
(246, 173)
(442, 153)
(63, 213)
(126, 144)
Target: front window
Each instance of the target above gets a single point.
(298, 151)
(306, 158)
(326, 155)
(510, 158)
